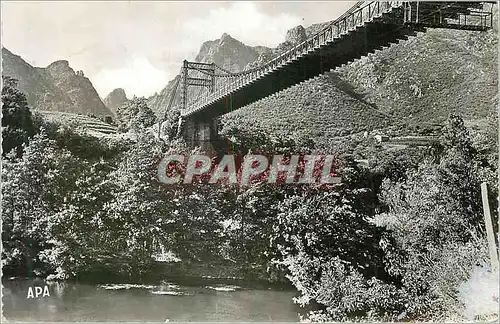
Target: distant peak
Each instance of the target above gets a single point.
(226, 38)
(118, 92)
(296, 35)
(115, 99)
(60, 62)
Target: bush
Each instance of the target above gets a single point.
(135, 115)
(340, 292)
(434, 209)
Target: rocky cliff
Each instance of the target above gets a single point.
(115, 99)
(56, 87)
(229, 53)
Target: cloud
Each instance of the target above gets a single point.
(243, 21)
(139, 77)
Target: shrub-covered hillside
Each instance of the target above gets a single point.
(431, 75)
(319, 108)
(423, 79)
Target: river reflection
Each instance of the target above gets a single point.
(156, 303)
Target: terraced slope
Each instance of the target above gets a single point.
(82, 122)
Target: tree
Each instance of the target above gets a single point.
(17, 123)
(34, 187)
(135, 115)
(137, 207)
(171, 123)
(435, 207)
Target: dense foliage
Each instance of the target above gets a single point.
(135, 115)
(432, 238)
(17, 123)
(393, 241)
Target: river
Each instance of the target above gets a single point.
(210, 301)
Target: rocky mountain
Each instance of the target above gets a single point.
(56, 87)
(293, 37)
(115, 99)
(229, 53)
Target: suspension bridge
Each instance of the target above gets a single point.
(364, 28)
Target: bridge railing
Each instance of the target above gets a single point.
(457, 15)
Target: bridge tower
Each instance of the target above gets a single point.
(196, 131)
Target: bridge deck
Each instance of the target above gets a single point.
(366, 28)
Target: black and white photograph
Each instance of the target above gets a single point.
(250, 161)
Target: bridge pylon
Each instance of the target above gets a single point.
(187, 80)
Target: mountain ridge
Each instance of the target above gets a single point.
(56, 87)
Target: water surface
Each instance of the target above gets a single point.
(155, 303)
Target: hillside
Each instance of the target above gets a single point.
(317, 109)
(56, 87)
(431, 75)
(421, 80)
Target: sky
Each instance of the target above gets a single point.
(140, 45)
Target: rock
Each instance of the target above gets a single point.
(381, 138)
(296, 35)
(115, 99)
(228, 53)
